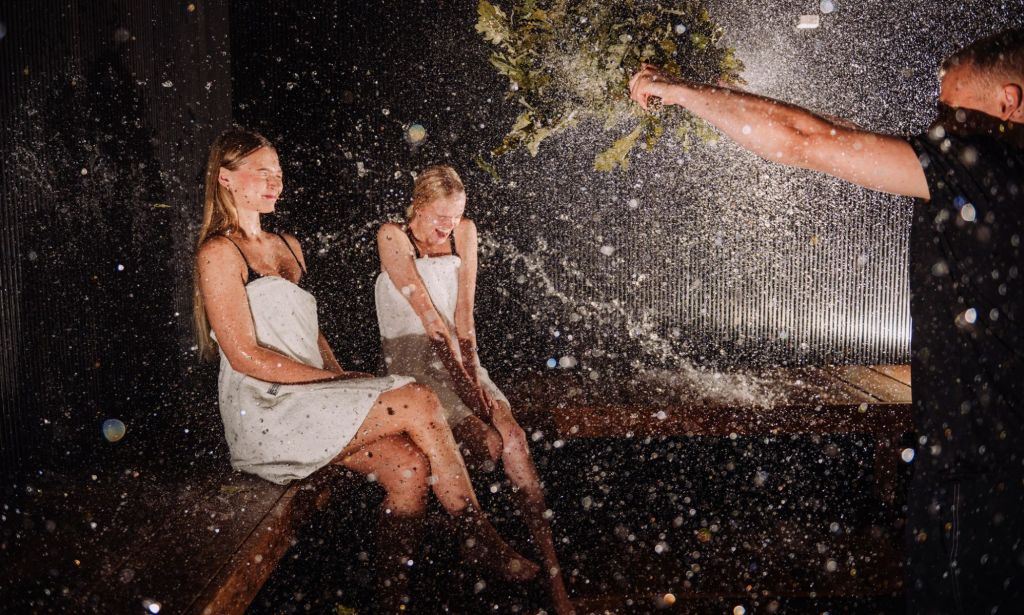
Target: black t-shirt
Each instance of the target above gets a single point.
(967, 303)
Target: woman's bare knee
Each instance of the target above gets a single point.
(426, 414)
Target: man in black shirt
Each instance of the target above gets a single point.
(964, 519)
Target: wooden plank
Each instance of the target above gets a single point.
(193, 544)
(887, 389)
(629, 421)
(875, 383)
(97, 517)
(809, 400)
(900, 373)
(240, 578)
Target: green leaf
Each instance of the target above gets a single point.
(524, 120)
(533, 143)
(487, 167)
(617, 156)
(492, 23)
(508, 67)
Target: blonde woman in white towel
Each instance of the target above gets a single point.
(288, 407)
(424, 297)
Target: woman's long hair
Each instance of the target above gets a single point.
(219, 214)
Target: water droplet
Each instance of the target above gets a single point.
(907, 455)
(747, 129)
(827, 6)
(968, 213)
(113, 430)
(552, 363)
(607, 250)
(168, 84)
(680, 28)
(415, 134)
(971, 315)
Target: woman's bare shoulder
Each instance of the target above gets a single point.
(392, 231)
(218, 248)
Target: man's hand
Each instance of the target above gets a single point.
(651, 82)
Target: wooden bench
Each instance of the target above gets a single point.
(199, 539)
(182, 533)
(837, 400)
(870, 400)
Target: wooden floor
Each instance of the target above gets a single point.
(870, 400)
(196, 537)
(199, 538)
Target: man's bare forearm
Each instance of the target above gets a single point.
(772, 129)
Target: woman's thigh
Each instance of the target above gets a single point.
(388, 457)
(400, 411)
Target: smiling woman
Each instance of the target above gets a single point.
(287, 406)
(425, 295)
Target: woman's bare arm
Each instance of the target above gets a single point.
(221, 272)
(465, 327)
(397, 260)
(330, 362)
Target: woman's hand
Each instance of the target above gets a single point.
(465, 387)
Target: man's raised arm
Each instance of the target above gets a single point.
(791, 135)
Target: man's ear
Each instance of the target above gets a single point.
(1011, 102)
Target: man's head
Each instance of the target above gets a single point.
(987, 76)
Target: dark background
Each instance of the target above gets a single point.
(109, 107)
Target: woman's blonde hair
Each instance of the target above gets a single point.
(434, 182)
(219, 214)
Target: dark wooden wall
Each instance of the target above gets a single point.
(108, 108)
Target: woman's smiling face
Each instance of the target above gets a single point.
(436, 219)
(257, 182)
